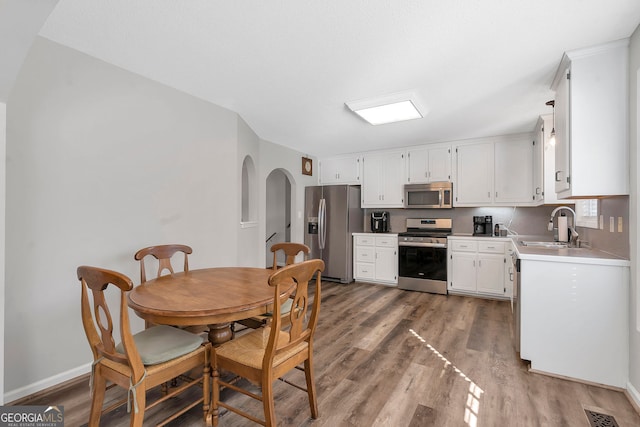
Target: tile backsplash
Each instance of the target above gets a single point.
(525, 221)
(616, 242)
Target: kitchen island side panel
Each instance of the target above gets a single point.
(575, 320)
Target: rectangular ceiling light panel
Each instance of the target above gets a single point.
(389, 109)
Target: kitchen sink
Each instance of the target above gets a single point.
(550, 245)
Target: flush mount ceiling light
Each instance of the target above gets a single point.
(387, 109)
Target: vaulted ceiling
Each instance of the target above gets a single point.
(481, 68)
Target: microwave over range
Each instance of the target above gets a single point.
(435, 195)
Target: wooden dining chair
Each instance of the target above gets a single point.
(163, 254)
(290, 250)
(264, 355)
(140, 362)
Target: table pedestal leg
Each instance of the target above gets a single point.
(220, 333)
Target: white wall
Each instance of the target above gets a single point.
(101, 162)
(3, 147)
(20, 22)
(247, 249)
(634, 208)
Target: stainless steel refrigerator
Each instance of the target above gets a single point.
(332, 213)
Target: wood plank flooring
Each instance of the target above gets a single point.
(388, 357)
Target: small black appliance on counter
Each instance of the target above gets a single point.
(379, 222)
(483, 225)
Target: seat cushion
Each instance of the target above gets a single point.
(285, 308)
(162, 343)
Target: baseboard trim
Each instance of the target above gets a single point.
(577, 380)
(634, 396)
(46, 383)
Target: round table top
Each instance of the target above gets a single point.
(203, 297)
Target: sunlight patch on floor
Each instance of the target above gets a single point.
(472, 405)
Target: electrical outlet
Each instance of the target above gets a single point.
(619, 224)
(601, 222)
(612, 224)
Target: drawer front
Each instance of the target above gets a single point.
(365, 240)
(365, 254)
(387, 241)
(491, 247)
(463, 245)
(365, 270)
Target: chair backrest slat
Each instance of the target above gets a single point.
(301, 327)
(163, 254)
(291, 250)
(102, 342)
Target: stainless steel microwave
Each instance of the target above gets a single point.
(435, 195)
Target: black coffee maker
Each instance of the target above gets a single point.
(379, 222)
(483, 225)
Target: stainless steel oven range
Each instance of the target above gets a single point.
(422, 259)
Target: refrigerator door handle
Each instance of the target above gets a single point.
(322, 216)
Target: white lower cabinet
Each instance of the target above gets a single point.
(375, 258)
(478, 266)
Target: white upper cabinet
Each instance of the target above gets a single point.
(340, 170)
(383, 176)
(474, 175)
(514, 172)
(591, 122)
(498, 172)
(429, 164)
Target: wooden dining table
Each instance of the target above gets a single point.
(215, 297)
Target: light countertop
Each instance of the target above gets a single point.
(570, 255)
(375, 234)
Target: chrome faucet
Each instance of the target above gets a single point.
(574, 233)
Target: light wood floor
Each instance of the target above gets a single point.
(387, 357)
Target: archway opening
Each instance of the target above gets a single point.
(248, 211)
(277, 212)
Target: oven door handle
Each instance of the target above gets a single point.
(423, 245)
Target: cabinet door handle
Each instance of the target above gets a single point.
(479, 263)
(488, 194)
(557, 178)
